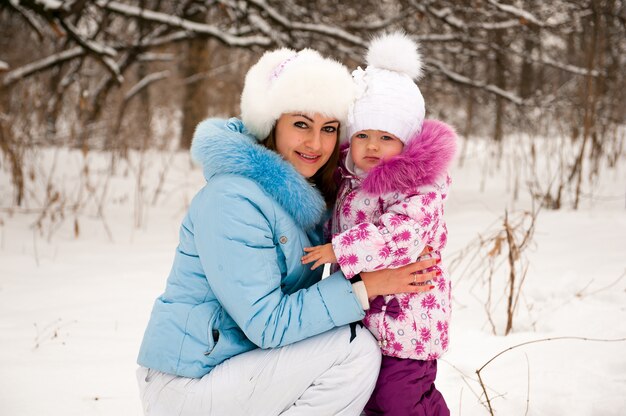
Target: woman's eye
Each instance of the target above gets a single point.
(300, 124)
(330, 129)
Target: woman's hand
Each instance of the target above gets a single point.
(406, 279)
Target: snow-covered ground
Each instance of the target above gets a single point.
(76, 294)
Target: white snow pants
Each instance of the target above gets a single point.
(325, 375)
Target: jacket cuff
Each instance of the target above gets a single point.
(340, 300)
(361, 293)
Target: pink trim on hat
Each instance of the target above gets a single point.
(281, 67)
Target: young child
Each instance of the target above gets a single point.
(389, 209)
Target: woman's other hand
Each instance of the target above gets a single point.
(406, 279)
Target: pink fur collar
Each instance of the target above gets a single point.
(427, 156)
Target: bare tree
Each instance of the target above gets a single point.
(99, 67)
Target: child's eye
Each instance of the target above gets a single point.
(301, 124)
(361, 136)
(386, 138)
(329, 129)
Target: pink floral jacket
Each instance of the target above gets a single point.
(385, 221)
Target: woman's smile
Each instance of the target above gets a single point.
(308, 157)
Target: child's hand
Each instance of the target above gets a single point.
(320, 255)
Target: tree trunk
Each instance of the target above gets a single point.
(527, 70)
(500, 81)
(590, 101)
(195, 97)
(144, 112)
(10, 149)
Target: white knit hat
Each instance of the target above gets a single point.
(285, 81)
(387, 97)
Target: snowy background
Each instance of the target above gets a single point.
(90, 210)
(76, 290)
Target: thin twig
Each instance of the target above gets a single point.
(482, 384)
(547, 340)
(580, 293)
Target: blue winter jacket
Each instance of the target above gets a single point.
(237, 282)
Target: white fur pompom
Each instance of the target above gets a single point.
(395, 52)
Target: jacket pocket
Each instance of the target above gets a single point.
(213, 333)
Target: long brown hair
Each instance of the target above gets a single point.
(324, 178)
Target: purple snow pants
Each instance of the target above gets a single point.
(406, 388)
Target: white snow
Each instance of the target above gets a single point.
(49, 4)
(73, 309)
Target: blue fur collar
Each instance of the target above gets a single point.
(226, 147)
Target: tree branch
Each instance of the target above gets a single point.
(145, 82)
(188, 25)
(324, 29)
(517, 12)
(536, 341)
(29, 18)
(102, 53)
(462, 79)
(42, 64)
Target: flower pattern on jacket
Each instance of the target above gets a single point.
(388, 231)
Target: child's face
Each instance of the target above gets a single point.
(370, 147)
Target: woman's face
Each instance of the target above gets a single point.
(306, 140)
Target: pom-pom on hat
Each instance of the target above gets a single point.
(387, 97)
(285, 81)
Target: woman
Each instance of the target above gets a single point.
(237, 282)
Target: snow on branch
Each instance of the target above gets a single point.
(505, 24)
(30, 19)
(52, 8)
(515, 11)
(145, 81)
(50, 5)
(321, 28)
(156, 57)
(566, 67)
(4, 66)
(443, 14)
(265, 27)
(101, 52)
(87, 44)
(380, 24)
(449, 37)
(543, 60)
(42, 64)
(522, 18)
(175, 21)
(164, 40)
(461, 79)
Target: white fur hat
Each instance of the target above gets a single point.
(387, 97)
(285, 81)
